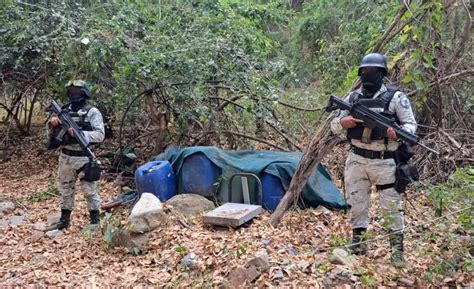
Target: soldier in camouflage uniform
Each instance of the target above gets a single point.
(371, 161)
(72, 157)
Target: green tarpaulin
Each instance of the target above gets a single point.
(319, 190)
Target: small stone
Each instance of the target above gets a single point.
(354, 278)
(261, 263)
(16, 220)
(303, 265)
(54, 233)
(4, 223)
(35, 237)
(191, 204)
(327, 282)
(190, 260)
(342, 257)
(240, 276)
(6, 207)
(265, 242)
(279, 274)
(406, 281)
(39, 226)
(292, 251)
(53, 219)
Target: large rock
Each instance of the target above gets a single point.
(147, 214)
(16, 220)
(123, 238)
(341, 256)
(6, 207)
(191, 204)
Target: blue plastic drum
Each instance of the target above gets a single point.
(273, 191)
(158, 178)
(200, 175)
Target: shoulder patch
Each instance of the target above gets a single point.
(404, 102)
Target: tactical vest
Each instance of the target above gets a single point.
(380, 104)
(79, 117)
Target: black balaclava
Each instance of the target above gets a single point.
(77, 100)
(372, 81)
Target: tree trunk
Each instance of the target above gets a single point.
(321, 144)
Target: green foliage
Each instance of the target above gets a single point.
(50, 191)
(181, 249)
(335, 35)
(457, 192)
(339, 240)
(366, 278)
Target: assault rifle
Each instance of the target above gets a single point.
(67, 123)
(374, 119)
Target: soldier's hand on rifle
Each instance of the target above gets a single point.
(71, 131)
(350, 122)
(392, 134)
(55, 121)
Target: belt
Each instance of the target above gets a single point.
(373, 154)
(74, 153)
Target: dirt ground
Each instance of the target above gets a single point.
(294, 248)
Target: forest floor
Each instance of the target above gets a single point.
(435, 250)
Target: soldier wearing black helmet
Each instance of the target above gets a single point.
(72, 158)
(371, 160)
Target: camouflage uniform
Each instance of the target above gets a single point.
(72, 158)
(70, 165)
(361, 173)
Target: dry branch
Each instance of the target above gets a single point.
(321, 144)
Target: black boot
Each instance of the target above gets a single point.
(358, 236)
(94, 217)
(396, 243)
(63, 222)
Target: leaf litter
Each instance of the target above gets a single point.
(294, 247)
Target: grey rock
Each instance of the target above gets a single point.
(147, 214)
(292, 251)
(39, 226)
(16, 220)
(191, 204)
(53, 219)
(37, 235)
(303, 265)
(342, 257)
(54, 233)
(261, 263)
(407, 282)
(190, 260)
(4, 223)
(6, 207)
(266, 242)
(279, 274)
(123, 238)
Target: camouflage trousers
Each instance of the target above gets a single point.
(360, 174)
(67, 175)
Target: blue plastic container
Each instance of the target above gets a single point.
(199, 175)
(158, 178)
(272, 191)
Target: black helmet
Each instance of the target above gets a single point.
(374, 60)
(84, 86)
